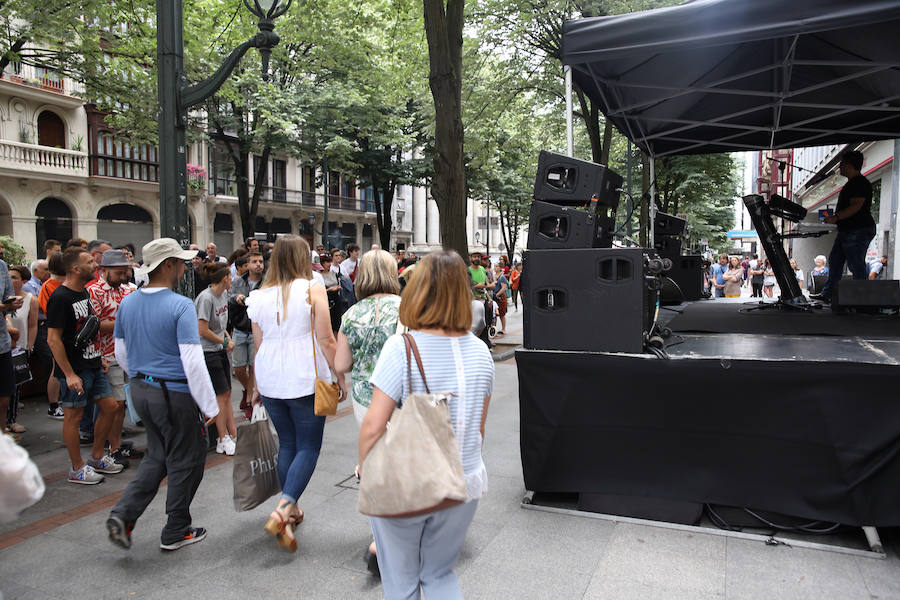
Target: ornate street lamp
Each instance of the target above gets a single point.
(176, 97)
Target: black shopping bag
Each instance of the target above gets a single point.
(20, 366)
(255, 472)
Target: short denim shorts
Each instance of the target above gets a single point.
(95, 385)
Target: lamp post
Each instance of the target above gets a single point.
(176, 97)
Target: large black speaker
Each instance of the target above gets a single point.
(557, 227)
(668, 246)
(594, 300)
(862, 293)
(565, 180)
(684, 281)
(666, 224)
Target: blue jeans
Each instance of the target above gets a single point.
(422, 551)
(299, 441)
(849, 247)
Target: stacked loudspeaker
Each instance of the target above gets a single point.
(684, 280)
(580, 293)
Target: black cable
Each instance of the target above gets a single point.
(718, 521)
(806, 528)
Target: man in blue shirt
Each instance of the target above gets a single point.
(717, 274)
(157, 342)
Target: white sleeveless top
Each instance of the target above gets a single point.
(20, 321)
(284, 361)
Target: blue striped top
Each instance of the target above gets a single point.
(459, 365)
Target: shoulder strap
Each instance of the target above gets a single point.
(312, 328)
(411, 346)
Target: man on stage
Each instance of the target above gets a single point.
(856, 227)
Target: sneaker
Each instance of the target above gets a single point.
(128, 452)
(124, 444)
(119, 459)
(105, 464)
(229, 445)
(119, 533)
(85, 440)
(220, 446)
(56, 413)
(196, 534)
(85, 475)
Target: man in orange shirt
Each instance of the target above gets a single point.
(41, 348)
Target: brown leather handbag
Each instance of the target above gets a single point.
(327, 393)
(414, 468)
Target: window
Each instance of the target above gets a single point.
(495, 222)
(334, 183)
(117, 157)
(279, 180)
(222, 180)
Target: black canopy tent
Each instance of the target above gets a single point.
(724, 76)
(730, 75)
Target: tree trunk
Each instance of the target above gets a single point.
(644, 237)
(590, 114)
(443, 30)
(607, 142)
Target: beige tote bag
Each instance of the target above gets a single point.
(414, 468)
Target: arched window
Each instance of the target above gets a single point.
(125, 223)
(51, 130)
(54, 222)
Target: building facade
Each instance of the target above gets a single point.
(64, 173)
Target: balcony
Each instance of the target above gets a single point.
(279, 195)
(42, 159)
(34, 83)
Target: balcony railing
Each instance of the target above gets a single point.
(280, 195)
(43, 159)
(44, 79)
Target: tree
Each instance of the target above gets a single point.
(444, 33)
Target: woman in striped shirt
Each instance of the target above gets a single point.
(436, 307)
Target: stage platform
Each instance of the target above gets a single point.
(780, 416)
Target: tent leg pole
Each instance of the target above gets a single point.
(570, 133)
(652, 209)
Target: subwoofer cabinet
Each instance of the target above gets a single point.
(865, 294)
(685, 279)
(594, 300)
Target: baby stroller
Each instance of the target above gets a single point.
(490, 317)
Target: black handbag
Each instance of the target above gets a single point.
(20, 368)
(88, 332)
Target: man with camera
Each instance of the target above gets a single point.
(72, 329)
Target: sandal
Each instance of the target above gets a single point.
(283, 527)
(15, 428)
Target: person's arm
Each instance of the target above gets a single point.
(374, 423)
(503, 287)
(207, 334)
(257, 342)
(54, 340)
(845, 213)
(193, 363)
(343, 357)
(324, 334)
(32, 324)
(484, 413)
(106, 325)
(120, 350)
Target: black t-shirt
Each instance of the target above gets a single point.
(858, 187)
(67, 310)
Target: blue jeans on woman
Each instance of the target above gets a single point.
(849, 247)
(299, 441)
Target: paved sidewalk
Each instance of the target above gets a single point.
(59, 550)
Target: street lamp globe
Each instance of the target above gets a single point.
(267, 10)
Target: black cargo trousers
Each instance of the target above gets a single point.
(176, 447)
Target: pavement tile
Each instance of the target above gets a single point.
(881, 577)
(754, 570)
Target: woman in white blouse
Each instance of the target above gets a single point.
(285, 312)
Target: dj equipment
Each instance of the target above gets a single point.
(666, 224)
(771, 240)
(556, 227)
(565, 180)
(862, 293)
(684, 281)
(780, 206)
(594, 300)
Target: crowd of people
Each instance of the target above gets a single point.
(731, 274)
(277, 318)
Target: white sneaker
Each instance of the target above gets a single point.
(220, 445)
(229, 445)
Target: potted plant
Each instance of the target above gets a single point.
(77, 143)
(196, 178)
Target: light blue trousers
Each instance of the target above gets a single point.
(422, 550)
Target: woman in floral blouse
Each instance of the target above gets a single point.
(365, 328)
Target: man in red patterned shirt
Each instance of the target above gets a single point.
(106, 294)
